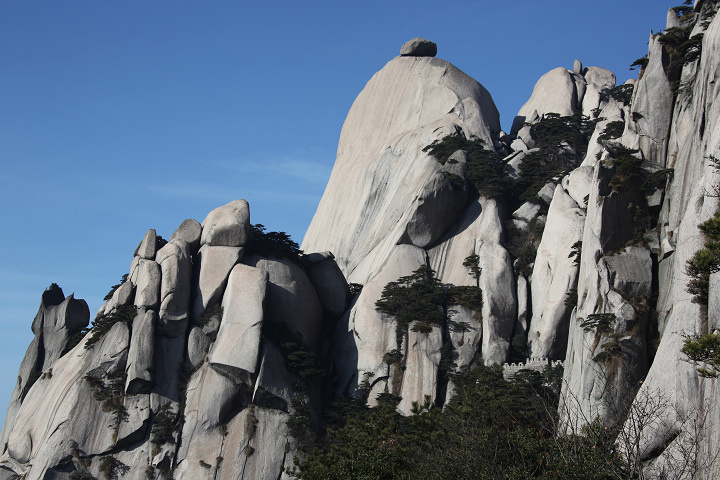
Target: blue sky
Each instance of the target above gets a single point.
(116, 117)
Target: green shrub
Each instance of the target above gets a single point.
(612, 130)
(271, 244)
(103, 323)
(417, 297)
(109, 295)
(704, 349)
(485, 168)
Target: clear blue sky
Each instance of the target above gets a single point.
(119, 116)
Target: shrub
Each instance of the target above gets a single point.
(485, 168)
(272, 244)
(109, 295)
(103, 323)
(704, 349)
(612, 130)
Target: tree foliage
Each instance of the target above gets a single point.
(485, 168)
(492, 428)
(272, 244)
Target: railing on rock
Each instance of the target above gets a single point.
(537, 363)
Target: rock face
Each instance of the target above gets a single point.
(200, 358)
(418, 47)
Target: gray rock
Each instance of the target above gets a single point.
(273, 388)
(554, 275)
(140, 356)
(190, 232)
(227, 226)
(212, 268)
(418, 47)
(198, 346)
(124, 295)
(555, 92)
(291, 300)
(137, 423)
(437, 206)
(146, 248)
(631, 271)
(174, 260)
(168, 356)
(420, 377)
(577, 66)
(546, 193)
(147, 285)
(380, 149)
(242, 322)
(329, 283)
(526, 214)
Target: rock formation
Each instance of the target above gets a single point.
(221, 341)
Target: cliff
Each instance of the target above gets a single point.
(441, 243)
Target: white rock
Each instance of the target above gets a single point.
(555, 92)
(147, 290)
(291, 299)
(554, 274)
(212, 267)
(227, 226)
(380, 167)
(146, 248)
(419, 47)
(140, 356)
(190, 232)
(174, 260)
(242, 322)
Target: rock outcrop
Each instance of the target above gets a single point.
(209, 354)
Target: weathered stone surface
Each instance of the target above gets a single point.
(176, 268)
(419, 47)
(212, 268)
(577, 184)
(546, 193)
(198, 346)
(124, 295)
(227, 226)
(420, 377)
(189, 232)
(599, 83)
(410, 103)
(438, 206)
(525, 215)
(168, 356)
(242, 322)
(137, 423)
(364, 335)
(480, 232)
(140, 356)
(273, 387)
(56, 409)
(147, 285)
(553, 276)
(329, 282)
(555, 92)
(291, 300)
(652, 107)
(577, 66)
(147, 247)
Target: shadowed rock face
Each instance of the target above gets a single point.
(207, 348)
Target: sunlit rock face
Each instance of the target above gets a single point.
(205, 351)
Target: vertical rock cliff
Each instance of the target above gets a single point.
(441, 243)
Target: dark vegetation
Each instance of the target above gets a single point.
(109, 389)
(485, 169)
(491, 428)
(704, 347)
(103, 323)
(271, 244)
